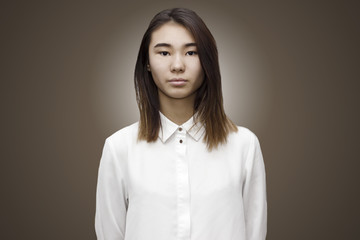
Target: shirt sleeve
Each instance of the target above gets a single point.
(111, 200)
(254, 194)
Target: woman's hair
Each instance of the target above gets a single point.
(208, 104)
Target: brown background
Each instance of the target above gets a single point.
(290, 73)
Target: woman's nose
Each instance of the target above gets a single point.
(177, 64)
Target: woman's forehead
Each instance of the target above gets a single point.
(172, 33)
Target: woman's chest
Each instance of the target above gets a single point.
(166, 172)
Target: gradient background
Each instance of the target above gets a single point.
(290, 73)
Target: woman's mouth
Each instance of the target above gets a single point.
(177, 81)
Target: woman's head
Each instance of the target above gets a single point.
(175, 65)
(208, 99)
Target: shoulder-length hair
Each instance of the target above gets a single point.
(208, 104)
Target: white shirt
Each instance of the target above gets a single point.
(175, 189)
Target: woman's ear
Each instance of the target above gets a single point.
(148, 68)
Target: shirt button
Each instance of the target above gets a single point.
(180, 129)
(181, 141)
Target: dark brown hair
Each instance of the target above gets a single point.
(208, 102)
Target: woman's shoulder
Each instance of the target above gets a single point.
(245, 132)
(243, 135)
(124, 134)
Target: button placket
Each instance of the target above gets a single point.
(183, 187)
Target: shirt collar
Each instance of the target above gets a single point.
(168, 128)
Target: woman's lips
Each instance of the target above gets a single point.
(177, 82)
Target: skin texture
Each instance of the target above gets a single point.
(173, 55)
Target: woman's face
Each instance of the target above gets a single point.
(174, 63)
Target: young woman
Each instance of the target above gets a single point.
(184, 171)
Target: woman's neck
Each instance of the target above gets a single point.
(177, 110)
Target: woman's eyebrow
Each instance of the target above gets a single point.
(162, 45)
(190, 45)
(169, 45)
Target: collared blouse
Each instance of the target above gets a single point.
(175, 189)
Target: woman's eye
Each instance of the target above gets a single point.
(164, 53)
(191, 53)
